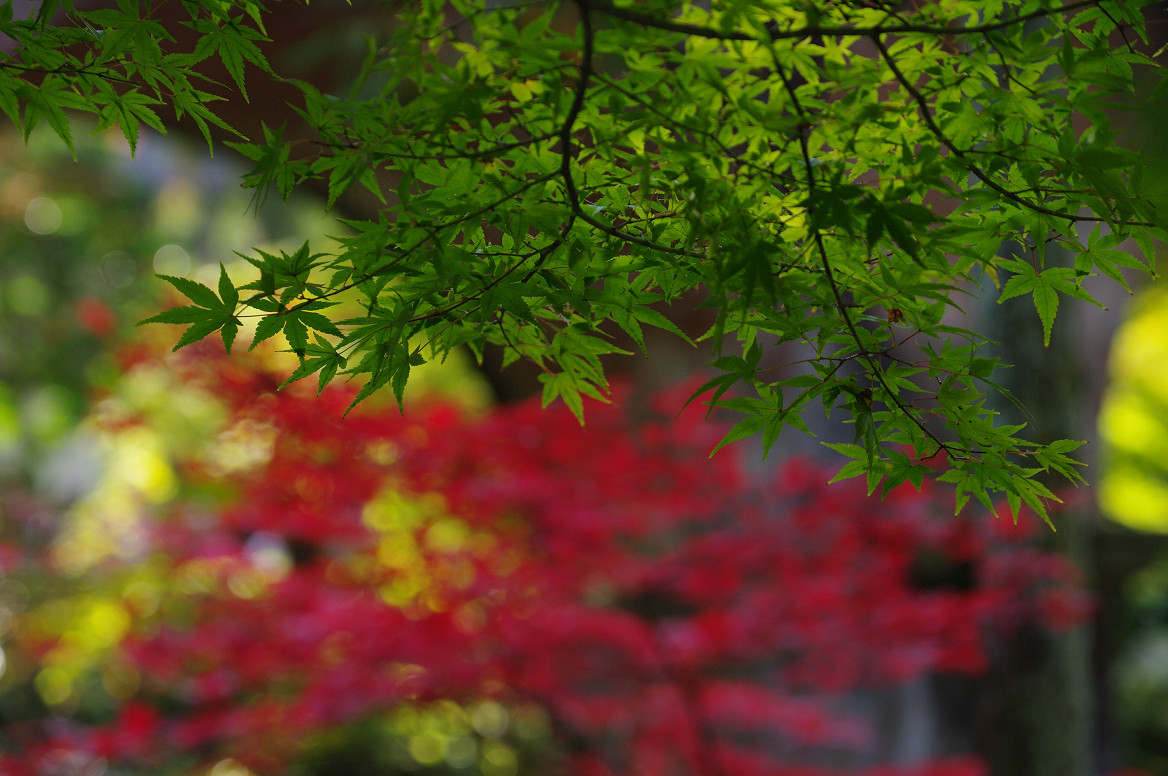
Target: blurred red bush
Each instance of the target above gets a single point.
(670, 613)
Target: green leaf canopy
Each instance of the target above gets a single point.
(825, 173)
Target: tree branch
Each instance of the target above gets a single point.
(566, 156)
(829, 275)
(927, 116)
(647, 20)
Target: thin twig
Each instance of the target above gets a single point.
(930, 122)
(833, 284)
(647, 20)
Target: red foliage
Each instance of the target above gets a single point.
(95, 316)
(672, 613)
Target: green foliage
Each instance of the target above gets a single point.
(826, 174)
(112, 63)
(208, 314)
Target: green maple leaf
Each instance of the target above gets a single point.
(208, 314)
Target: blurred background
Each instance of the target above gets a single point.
(200, 574)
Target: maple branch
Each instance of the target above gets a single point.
(833, 284)
(927, 116)
(71, 70)
(697, 30)
(478, 154)
(584, 73)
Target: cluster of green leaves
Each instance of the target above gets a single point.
(829, 174)
(115, 63)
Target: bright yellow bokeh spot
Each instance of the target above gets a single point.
(140, 462)
(427, 747)
(498, 759)
(245, 446)
(54, 684)
(402, 591)
(393, 511)
(1133, 498)
(399, 552)
(1133, 488)
(489, 719)
(106, 523)
(248, 583)
(101, 625)
(230, 767)
(424, 546)
(86, 628)
(1126, 425)
(143, 597)
(1138, 353)
(447, 535)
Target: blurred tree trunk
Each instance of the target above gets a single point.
(1038, 714)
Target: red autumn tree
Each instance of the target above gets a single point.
(665, 612)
